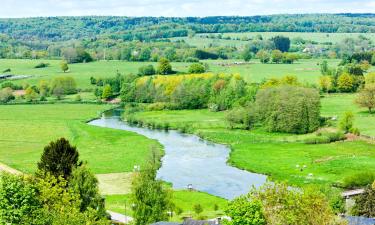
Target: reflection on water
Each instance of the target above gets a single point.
(190, 160)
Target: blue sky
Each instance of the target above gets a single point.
(34, 8)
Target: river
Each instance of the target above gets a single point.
(189, 160)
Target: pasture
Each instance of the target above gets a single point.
(26, 129)
(305, 70)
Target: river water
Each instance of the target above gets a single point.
(189, 160)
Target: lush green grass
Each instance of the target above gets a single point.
(338, 104)
(81, 72)
(305, 70)
(275, 154)
(184, 200)
(26, 129)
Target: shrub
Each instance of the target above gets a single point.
(6, 95)
(197, 68)
(7, 71)
(66, 84)
(147, 70)
(41, 65)
(157, 106)
(358, 180)
(355, 131)
(317, 140)
(11, 85)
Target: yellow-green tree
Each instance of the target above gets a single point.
(64, 66)
(346, 82)
(366, 97)
(325, 83)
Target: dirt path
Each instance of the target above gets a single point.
(5, 168)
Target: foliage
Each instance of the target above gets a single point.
(147, 70)
(277, 56)
(346, 83)
(65, 84)
(278, 204)
(76, 55)
(326, 137)
(150, 198)
(190, 91)
(263, 56)
(365, 203)
(59, 158)
(196, 68)
(289, 109)
(64, 66)
(359, 179)
(164, 67)
(6, 95)
(85, 184)
(325, 83)
(346, 123)
(107, 92)
(245, 211)
(366, 97)
(19, 200)
(42, 65)
(31, 94)
(198, 209)
(281, 43)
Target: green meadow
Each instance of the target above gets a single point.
(305, 70)
(26, 129)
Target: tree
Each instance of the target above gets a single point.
(59, 158)
(277, 56)
(263, 56)
(281, 43)
(84, 183)
(346, 123)
(247, 54)
(19, 200)
(196, 68)
(6, 95)
(345, 83)
(30, 94)
(245, 211)
(289, 109)
(147, 70)
(66, 84)
(164, 67)
(366, 97)
(150, 198)
(107, 92)
(64, 66)
(370, 78)
(325, 83)
(365, 203)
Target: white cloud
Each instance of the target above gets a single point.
(28, 8)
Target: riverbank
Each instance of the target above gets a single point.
(283, 157)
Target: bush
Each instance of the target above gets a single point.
(147, 70)
(317, 140)
(355, 131)
(325, 137)
(41, 65)
(197, 68)
(11, 85)
(358, 180)
(6, 95)
(7, 71)
(157, 106)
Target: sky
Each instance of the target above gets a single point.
(178, 8)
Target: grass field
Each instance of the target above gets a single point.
(26, 129)
(184, 200)
(337, 104)
(305, 70)
(201, 41)
(275, 154)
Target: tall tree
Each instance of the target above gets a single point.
(164, 67)
(281, 43)
(366, 97)
(151, 199)
(59, 158)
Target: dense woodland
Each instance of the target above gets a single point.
(144, 38)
